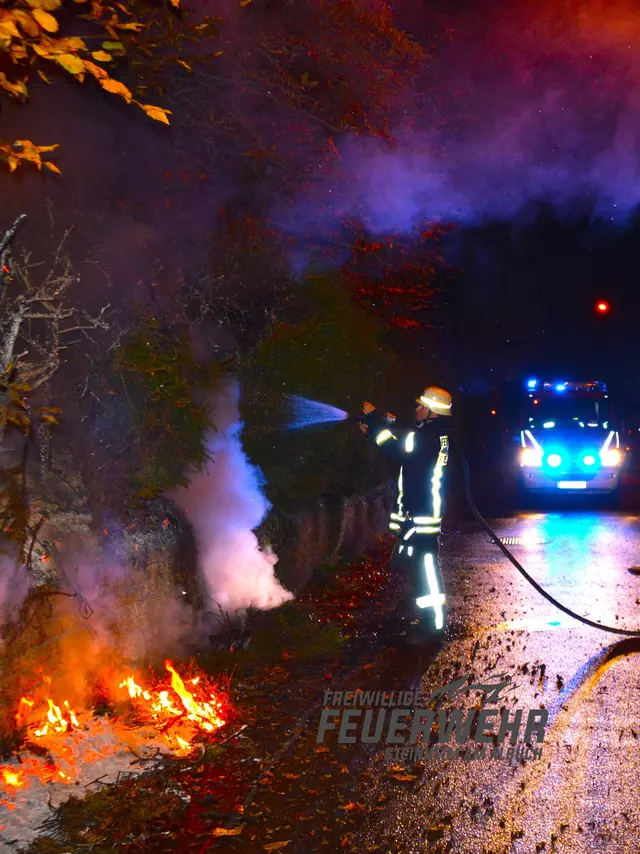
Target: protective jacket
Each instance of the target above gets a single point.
(423, 453)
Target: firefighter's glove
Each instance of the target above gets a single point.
(364, 420)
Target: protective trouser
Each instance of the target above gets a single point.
(422, 551)
(419, 538)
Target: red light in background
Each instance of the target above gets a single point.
(493, 412)
(602, 307)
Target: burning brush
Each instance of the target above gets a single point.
(168, 710)
(170, 719)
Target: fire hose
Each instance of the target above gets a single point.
(494, 537)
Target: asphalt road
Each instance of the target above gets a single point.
(582, 794)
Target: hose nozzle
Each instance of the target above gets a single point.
(388, 418)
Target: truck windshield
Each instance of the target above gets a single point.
(567, 411)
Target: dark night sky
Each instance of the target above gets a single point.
(525, 302)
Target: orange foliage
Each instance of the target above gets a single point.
(31, 43)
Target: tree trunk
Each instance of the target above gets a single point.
(44, 434)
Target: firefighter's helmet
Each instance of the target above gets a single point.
(436, 399)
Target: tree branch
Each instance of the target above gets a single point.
(8, 237)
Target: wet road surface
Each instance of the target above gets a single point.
(581, 795)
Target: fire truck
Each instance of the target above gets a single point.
(568, 439)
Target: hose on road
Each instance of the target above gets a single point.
(486, 527)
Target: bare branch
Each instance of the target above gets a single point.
(33, 314)
(97, 322)
(8, 237)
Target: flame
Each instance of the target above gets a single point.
(72, 716)
(205, 714)
(24, 701)
(177, 706)
(134, 689)
(178, 714)
(56, 719)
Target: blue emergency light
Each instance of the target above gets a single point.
(560, 387)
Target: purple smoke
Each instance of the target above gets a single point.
(535, 103)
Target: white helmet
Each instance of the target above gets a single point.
(436, 399)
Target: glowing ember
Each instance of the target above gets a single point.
(13, 778)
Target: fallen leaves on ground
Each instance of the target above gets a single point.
(404, 778)
(351, 589)
(223, 831)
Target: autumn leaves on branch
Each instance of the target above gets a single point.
(30, 41)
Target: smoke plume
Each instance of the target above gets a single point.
(117, 609)
(136, 612)
(533, 103)
(225, 504)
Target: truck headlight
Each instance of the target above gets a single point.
(612, 457)
(530, 457)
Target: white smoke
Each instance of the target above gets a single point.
(224, 504)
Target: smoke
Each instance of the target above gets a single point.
(534, 103)
(107, 611)
(114, 612)
(120, 604)
(225, 504)
(137, 612)
(15, 584)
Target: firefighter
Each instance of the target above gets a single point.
(422, 453)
